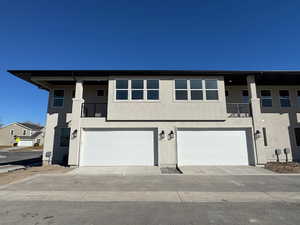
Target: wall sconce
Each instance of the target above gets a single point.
(257, 134)
(171, 135)
(74, 134)
(162, 134)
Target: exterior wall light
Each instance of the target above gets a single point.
(74, 133)
(171, 135)
(162, 134)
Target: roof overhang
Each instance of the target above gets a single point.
(43, 78)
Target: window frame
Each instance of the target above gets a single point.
(63, 98)
(282, 98)
(204, 89)
(11, 132)
(130, 89)
(271, 97)
(117, 89)
(24, 132)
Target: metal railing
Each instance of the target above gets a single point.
(93, 110)
(238, 110)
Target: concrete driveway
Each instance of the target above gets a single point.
(153, 199)
(186, 170)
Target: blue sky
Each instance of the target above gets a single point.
(176, 34)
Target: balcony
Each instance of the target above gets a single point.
(93, 110)
(238, 110)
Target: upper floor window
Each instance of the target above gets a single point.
(153, 89)
(137, 89)
(58, 98)
(298, 98)
(266, 98)
(196, 89)
(24, 132)
(11, 132)
(122, 89)
(284, 97)
(100, 93)
(245, 96)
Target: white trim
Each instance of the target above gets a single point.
(189, 100)
(129, 91)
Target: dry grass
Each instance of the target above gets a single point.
(4, 146)
(6, 178)
(280, 167)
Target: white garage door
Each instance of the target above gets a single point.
(25, 143)
(212, 147)
(110, 147)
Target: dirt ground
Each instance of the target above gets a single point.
(4, 147)
(279, 167)
(6, 178)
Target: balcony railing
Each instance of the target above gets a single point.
(238, 110)
(93, 110)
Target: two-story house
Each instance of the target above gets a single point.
(169, 118)
(29, 134)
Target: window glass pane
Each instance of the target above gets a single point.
(285, 102)
(122, 95)
(122, 84)
(226, 93)
(152, 84)
(137, 94)
(265, 93)
(211, 84)
(59, 93)
(196, 95)
(58, 102)
(137, 84)
(212, 95)
(100, 93)
(297, 136)
(283, 93)
(64, 137)
(152, 95)
(196, 84)
(181, 95)
(245, 93)
(266, 102)
(180, 84)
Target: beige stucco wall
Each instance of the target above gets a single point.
(168, 115)
(166, 108)
(279, 122)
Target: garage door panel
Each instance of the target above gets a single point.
(117, 148)
(212, 147)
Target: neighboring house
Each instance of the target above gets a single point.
(28, 134)
(169, 118)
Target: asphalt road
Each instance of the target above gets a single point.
(20, 158)
(152, 200)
